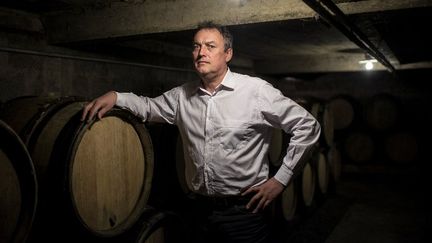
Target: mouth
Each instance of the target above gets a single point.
(201, 62)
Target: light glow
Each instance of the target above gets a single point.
(368, 64)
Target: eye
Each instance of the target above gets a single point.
(211, 46)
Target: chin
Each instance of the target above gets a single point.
(201, 71)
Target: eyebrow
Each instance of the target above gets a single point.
(208, 42)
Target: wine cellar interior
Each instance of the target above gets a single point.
(364, 182)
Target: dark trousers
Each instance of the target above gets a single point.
(228, 221)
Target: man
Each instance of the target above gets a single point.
(225, 121)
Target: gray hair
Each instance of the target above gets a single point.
(228, 38)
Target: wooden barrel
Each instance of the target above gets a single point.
(154, 226)
(322, 112)
(324, 115)
(308, 185)
(335, 163)
(18, 187)
(359, 147)
(344, 109)
(289, 200)
(283, 211)
(401, 147)
(38, 120)
(110, 167)
(162, 227)
(322, 174)
(95, 177)
(278, 147)
(327, 121)
(381, 112)
(304, 181)
(26, 114)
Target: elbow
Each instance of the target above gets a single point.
(317, 127)
(316, 130)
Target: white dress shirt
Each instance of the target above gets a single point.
(226, 134)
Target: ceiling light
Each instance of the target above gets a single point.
(368, 62)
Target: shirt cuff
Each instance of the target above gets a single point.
(283, 175)
(120, 99)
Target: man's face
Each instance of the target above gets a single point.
(208, 52)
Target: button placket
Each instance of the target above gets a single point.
(207, 147)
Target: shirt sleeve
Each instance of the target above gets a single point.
(159, 109)
(282, 112)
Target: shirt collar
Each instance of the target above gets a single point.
(227, 82)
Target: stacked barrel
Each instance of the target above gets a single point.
(318, 173)
(357, 133)
(116, 179)
(66, 180)
(18, 187)
(376, 130)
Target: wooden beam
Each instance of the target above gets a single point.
(369, 6)
(125, 19)
(313, 64)
(324, 64)
(155, 16)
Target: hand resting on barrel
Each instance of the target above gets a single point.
(99, 106)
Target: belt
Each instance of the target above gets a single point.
(223, 201)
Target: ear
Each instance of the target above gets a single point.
(228, 55)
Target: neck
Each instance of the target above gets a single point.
(211, 82)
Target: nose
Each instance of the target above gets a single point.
(202, 51)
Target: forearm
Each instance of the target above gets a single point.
(159, 109)
(136, 104)
(305, 136)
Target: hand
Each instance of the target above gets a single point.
(264, 194)
(99, 106)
